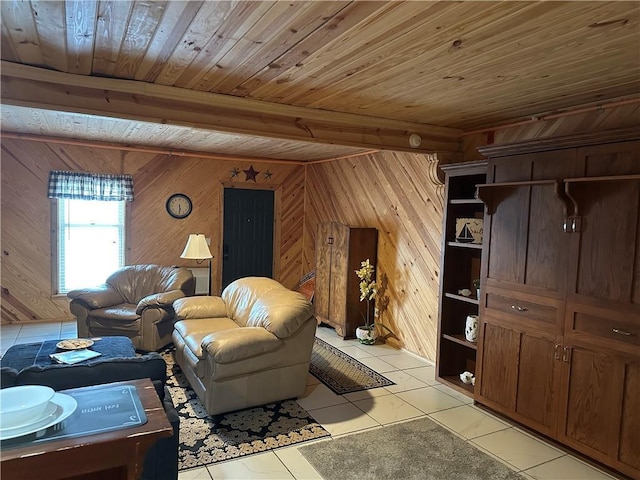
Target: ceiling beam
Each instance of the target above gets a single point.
(40, 88)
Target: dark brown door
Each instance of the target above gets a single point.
(247, 247)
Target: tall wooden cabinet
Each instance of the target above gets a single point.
(559, 344)
(460, 265)
(339, 251)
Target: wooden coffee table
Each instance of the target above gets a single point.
(117, 454)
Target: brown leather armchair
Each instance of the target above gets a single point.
(136, 302)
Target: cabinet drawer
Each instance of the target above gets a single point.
(518, 308)
(619, 330)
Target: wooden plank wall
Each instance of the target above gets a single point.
(154, 237)
(399, 194)
(395, 193)
(588, 121)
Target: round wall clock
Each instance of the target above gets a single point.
(179, 205)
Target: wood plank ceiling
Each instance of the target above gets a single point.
(329, 78)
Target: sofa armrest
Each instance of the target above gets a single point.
(159, 300)
(228, 346)
(97, 297)
(199, 307)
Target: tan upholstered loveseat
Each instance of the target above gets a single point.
(135, 302)
(249, 347)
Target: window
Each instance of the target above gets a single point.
(90, 242)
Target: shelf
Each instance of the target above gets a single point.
(489, 192)
(524, 183)
(582, 180)
(473, 246)
(456, 383)
(466, 201)
(461, 264)
(461, 340)
(462, 298)
(611, 178)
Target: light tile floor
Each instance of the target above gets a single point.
(416, 394)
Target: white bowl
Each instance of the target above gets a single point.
(19, 405)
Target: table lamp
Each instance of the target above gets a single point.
(198, 250)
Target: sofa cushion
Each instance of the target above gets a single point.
(199, 307)
(281, 312)
(119, 320)
(125, 312)
(196, 340)
(241, 294)
(201, 327)
(238, 344)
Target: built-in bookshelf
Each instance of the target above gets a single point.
(460, 266)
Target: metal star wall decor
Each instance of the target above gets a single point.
(267, 175)
(250, 174)
(234, 173)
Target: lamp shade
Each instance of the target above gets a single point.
(196, 248)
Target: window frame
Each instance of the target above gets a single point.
(55, 246)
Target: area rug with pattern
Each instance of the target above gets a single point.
(208, 439)
(341, 372)
(418, 449)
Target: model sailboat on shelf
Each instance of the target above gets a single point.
(469, 230)
(465, 235)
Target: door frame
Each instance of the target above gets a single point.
(277, 223)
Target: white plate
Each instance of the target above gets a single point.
(49, 410)
(74, 343)
(65, 406)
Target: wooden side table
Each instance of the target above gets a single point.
(118, 454)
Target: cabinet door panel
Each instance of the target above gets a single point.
(499, 365)
(630, 430)
(547, 246)
(321, 299)
(339, 279)
(594, 398)
(607, 256)
(538, 374)
(621, 158)
(527, 244)
(508, 237)
(513, 169)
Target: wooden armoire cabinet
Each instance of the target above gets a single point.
(339, 251)
(559, 343)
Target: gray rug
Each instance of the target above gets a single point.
(419, 449)
(341, 372)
